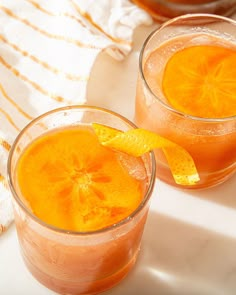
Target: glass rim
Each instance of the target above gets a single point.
(56, 229)
(141, 59)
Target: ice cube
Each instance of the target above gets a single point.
(133, 165)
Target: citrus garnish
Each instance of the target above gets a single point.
(138, 141)
(201, 81)
(73, 182)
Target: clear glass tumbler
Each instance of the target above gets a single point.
(210, 141)
(162, 10)
(70, 262)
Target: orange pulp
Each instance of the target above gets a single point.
(72, 182)
(201, 81)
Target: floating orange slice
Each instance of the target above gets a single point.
(138, 141)
(73, 182)
(201, 81)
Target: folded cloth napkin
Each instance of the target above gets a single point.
(47, 50)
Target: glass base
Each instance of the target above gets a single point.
(68, 287)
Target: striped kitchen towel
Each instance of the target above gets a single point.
(47, 50)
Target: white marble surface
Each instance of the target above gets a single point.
(189, 243)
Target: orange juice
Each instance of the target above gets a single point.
(80, 207)
(162, 10)
(187, 93)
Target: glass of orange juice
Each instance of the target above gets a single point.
(186, 92)
(80, 208)
(162, 10)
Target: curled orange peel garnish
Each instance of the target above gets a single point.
(137, 142)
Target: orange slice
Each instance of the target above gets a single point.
(138, 141)
(201, 81)
(73, 182)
